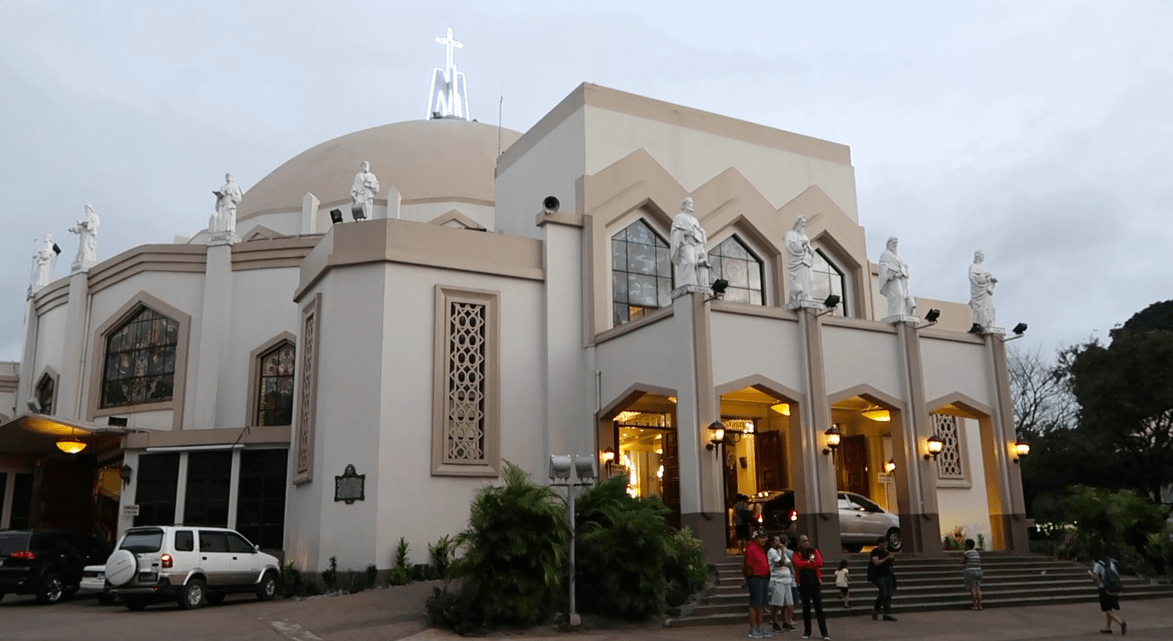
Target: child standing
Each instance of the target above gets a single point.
(842, 582)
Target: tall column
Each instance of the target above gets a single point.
(920, 525)
(814, 472)
(1011, 523)
(25, 385)
(702, 506)
(70, 401)
(214, 326)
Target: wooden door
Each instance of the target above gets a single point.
(770, 460)
(671, 481)
(852, 472)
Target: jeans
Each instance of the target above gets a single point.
(812, 595)
(886, 590)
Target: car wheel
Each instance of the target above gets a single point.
(105, 599)
(852, 547)
(216, 598)
(267, 590)
(51, 590)
(134, 602)
(193, 595)
(894, 539)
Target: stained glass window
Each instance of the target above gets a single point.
(641, 273)
(829, 280)
(736, 263)
(275, 405)
(140, 360)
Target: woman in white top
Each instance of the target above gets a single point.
(781, 579)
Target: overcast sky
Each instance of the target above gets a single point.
(1041, 132)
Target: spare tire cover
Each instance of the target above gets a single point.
(121, 567)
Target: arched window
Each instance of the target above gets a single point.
(275, 387)
(46, 393)
(736, 263)
(641, 273)
(140, 360)
(829, 280)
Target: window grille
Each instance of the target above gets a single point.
(465, 426)
(949, 462)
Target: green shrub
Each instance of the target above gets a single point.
(291, 580)
(1109, 522)
(686, 564)
(624, 546)
(330, 576)
(514, 553)
(455, 611)
(441, 556)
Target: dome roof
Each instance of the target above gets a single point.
(426, 160)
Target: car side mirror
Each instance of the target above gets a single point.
(256, 548)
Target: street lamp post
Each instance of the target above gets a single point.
(572, 470)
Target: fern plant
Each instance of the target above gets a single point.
(400, 572)
(514, 551)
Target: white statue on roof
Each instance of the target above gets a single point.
(362, 193)
(43, 262)
(894, 284)
(981, 293)
(87, 248)
(227, 199)
(800, 259)
(688, 254)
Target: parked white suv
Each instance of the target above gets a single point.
(193, 565)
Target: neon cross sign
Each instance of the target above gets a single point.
(450, 98)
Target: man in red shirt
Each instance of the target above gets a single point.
(757, 577)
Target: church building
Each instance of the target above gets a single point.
(352, 357)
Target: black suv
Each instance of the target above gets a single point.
(47, 563)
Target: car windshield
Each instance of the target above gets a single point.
(13, 542)
(143, 541)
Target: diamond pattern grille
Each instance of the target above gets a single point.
(305, 415)
(464, 438)
(949, 464)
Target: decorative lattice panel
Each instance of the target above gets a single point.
(305, 402)
(464, 438)
(949, 463)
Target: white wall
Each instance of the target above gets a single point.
(967, 507)
(952, 366)
(550, 168)
(745, 345)
(855, 357)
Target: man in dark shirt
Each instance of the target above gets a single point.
(881, 574)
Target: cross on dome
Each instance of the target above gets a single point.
(450, 44)
(448, 97)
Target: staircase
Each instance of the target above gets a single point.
(929, 583)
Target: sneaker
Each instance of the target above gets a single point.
(875, 615)
(806, 636)
(754, 634)
(789, 626)
(889, 617)
(765, 634)
(777, 628)
(826, 638)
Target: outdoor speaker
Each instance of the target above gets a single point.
(550, 204)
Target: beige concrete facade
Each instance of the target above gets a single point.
(463, 303)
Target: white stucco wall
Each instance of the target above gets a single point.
(694, 157)
(952, 366)
(854, 357)
(49, 345)
(550, 168)
(745, 345)
(649, 355)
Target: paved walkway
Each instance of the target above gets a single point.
(396, 614)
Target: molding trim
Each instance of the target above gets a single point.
(455, 216)
(97, 358)
(629, 396)
(147, 258)
(305, 391)
(272, 253)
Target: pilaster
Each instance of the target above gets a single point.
(1012, 521)
(309, 214)
(920, 526)
(69, 401)
(214, 327)
(814, 472)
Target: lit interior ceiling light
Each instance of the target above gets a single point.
(623, 417)
(881, 415)
(781, 408)
(70, 446)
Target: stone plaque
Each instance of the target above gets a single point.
(350, 487)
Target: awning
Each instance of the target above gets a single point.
(38, 434)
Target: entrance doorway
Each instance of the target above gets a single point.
(644, 440)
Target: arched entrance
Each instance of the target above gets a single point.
(638, 434)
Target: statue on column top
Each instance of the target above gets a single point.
(87, 249)
(981, 294)
(362, 193)
(800, 258)
(43, 262)
(687, 249)
(894, 283)
(227, 198)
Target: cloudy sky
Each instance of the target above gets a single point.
(1041, 132)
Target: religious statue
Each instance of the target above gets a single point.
(87, 249)
(43, 264)
(688, 254)
(894, 283)
(227, 198)
(362, 193)
(800, 257)
(981, 293)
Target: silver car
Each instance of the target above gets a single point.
(861, 521)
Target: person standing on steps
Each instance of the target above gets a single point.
(757, 577)
(808, 563)
(1107, 578)
(880, 572)
(973, 573)
(781, 576)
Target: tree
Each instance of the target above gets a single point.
(1041, 394)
